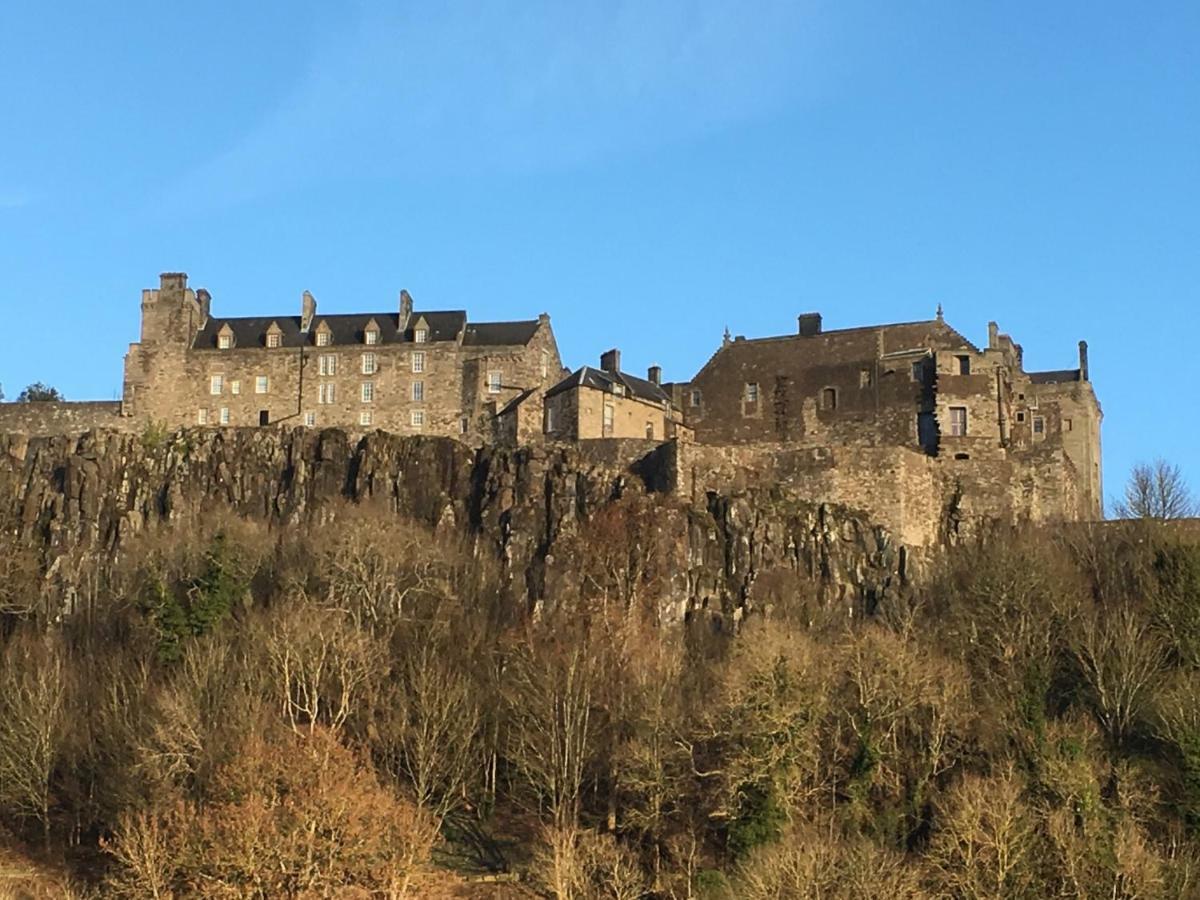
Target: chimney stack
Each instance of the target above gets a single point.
(204, 298)
(993, 336)
(169, 281)
(405, 309)
(1083, 361)
(611, 361)
(654, 375)
(308, 311)
(810, 324)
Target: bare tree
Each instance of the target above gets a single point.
(1156, 490)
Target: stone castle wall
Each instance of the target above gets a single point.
(50, 417)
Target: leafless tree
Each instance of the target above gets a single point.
(1156, 490)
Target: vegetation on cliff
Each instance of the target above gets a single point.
(228, 710)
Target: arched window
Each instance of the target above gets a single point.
(829, 398)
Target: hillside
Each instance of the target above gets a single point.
(268, 663)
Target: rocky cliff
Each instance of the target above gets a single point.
(546, 513)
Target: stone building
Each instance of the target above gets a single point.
(609, 403)
(407, 371)
(919, 385)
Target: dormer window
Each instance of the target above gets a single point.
(224, 341)
(371, 336)
(323, 339)
(618, 389)
(274, 340)
(421, 335)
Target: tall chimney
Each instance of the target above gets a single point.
(1083, 361)
(405, 309)
(308, 311)
(810, 324)
(611, 361)
(204, 298)
(993, 336)
(654, 375)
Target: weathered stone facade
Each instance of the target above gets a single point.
(919, 386)
(406, 371)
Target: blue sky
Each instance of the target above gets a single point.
(648, 173)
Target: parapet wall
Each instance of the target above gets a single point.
(45, 418)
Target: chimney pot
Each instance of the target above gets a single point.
(809, 324)
(611, 361)
(1083, 361)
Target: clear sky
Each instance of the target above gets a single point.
(646, 172)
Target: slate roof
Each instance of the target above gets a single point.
(495, 334)
(1059, 376)
(601, 380)
(348, 328)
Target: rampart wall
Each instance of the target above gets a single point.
(47, 417)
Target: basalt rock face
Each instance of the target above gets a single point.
(535, 509)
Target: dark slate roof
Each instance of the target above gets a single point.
(601, 380)
(346, 328)
(1056, 377)
(516, 401)
(495, 334)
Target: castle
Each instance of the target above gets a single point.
(907, 420)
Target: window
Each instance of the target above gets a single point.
(1039, 425)
(418, 392)
(418, 361)
(310, 419)
(417, 418)
(695, 398)
(545, 363)
(964, 365)
(829, 398)
(202, 417)
(235, 387)
(421, 335)
(371, 336)
(261, 384)
(325, 393)
(368, 391)
(327, 363)
(323, 338)
(649, 431)
(224, 415)
(618, 389)
(608, 420)
(494, 382)
(274, 339)
(549, 427)
(216, 384)
(364, 417)
(1067, 425)
(1020, 417)
(224, 341)
(369, 364)
(463, 424)
(752, 392)
(864, 378)
(958, 420)
(918, 370)
(1020, 396)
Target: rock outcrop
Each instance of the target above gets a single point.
(718, 556)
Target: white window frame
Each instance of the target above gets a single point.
(367, 392)
(262, 384)
(326, 393)
(235, 386)
(958, 428)
(274, 340)
(223, 415)
(418, 391)
(224, 341)
(364, 417)
(310, 419)
(327, 365)
(324, 339)
(421, 336)
(697, 397)
(418, 362)
(370, 363)
(495, 381)
(417, 418)
(371, 337)
(751, 391)
(216, 384)
(202, 416)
